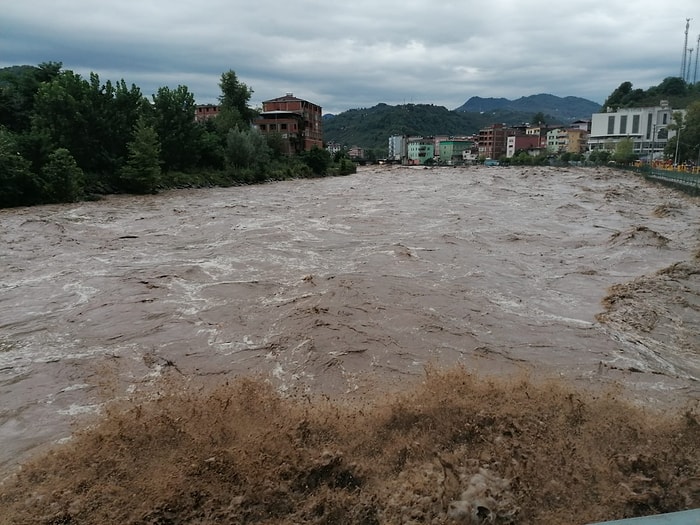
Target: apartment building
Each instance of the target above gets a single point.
(420, 150)
(493, 141)
(298, 122)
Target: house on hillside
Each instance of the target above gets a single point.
(297, 122)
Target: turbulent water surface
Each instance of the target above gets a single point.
(337, 285)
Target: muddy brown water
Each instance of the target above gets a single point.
(348, 285)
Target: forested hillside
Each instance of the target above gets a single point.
(675, 90)
(372, 127)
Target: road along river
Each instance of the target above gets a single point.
(349, 284)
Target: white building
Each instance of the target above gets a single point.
(398, 148)
(646, 127)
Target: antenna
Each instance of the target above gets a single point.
(685, 48)
(690, 59)
(695, 74)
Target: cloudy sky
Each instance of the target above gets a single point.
(344, 55)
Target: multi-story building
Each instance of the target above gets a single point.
(529, 143)
(398, 148)
(492, 141)
(420, 150)
(205, 111)
(298, 122)
(567, 140)
(452, 150)
(646, 127)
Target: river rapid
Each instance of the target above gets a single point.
(347, 286)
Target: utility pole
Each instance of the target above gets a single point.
(685, 48)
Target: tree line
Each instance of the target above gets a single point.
(65, 138)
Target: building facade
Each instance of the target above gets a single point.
(297, 122)
(203, 112)
(493, 141)
(646, 127)
(529, 142)
(451, 151)
(420, 150)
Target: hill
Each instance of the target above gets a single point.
(371, 127)
(565, 109)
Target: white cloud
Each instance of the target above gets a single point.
(357, 54)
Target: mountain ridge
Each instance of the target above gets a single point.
(371, 127)
(566, 108)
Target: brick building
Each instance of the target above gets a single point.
(205, 111)
(493, 141)
(298, 122)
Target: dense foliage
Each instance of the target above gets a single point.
(370, 128)
(675, 90)
(64, 138)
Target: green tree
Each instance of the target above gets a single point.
(179, 133)
(18, 87)
(142, 173)
(538, 119)
(234, 99)
(248, 154)
(624, 152)
(616, 98)
(318, 159)
(691, 134)
(18, 185)
(62, 178)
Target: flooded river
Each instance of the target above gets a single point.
(343, 285)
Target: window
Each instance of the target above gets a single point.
(665, 120)
(283, 126)
(623, 124)
(635, 124)
(611, 125)
(262, 127)
(273, 127)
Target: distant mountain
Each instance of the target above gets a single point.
(372, 127)
(563, 109)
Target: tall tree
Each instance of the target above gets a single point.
(142, 173)
(234, 99)
(173, 118)
(18, 86)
